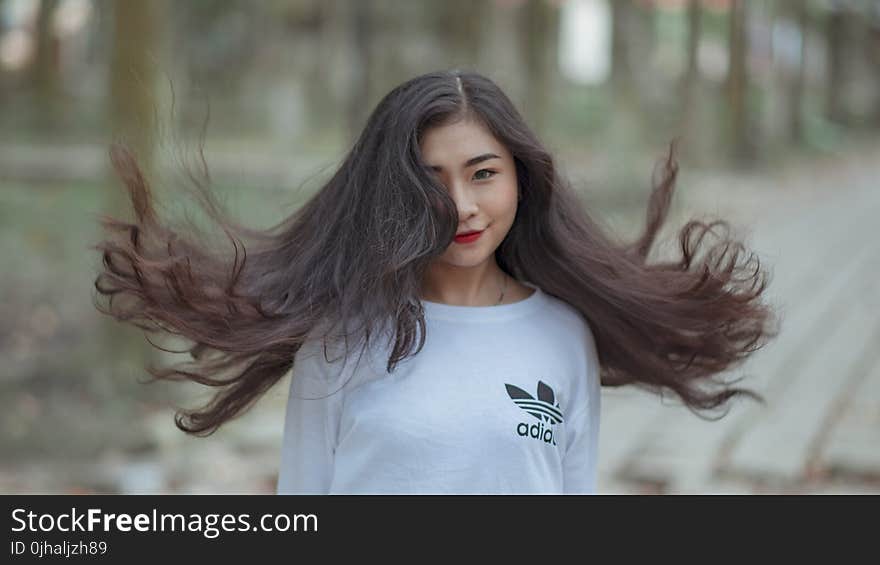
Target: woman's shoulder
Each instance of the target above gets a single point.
(562, 309)
(569, 318)
(329, 361)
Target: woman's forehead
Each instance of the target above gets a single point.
(454, 143)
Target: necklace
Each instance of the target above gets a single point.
(503, 288)
(500, 298)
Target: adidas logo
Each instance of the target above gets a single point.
(542, 408)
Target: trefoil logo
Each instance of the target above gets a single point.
(544, 408)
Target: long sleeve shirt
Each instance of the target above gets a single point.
(501, 400)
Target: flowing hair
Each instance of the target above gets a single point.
(353, 257)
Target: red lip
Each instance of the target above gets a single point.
(468, 236)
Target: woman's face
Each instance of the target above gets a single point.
(480, 175)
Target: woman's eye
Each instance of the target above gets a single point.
(490, 175)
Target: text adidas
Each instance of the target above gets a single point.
(536, 431)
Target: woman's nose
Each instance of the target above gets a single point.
(464, 200)
(467, 207)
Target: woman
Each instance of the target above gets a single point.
(446, 305)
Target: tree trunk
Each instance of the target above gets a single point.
(694, 18)
(540, 25)
(45, 72)
(621, 59)
(691, 77)
(872, 49)
(835, 77)
(797, 10)
(138, 41)
(360, 20)
(460, 36)
(322, 80)
(737, 84)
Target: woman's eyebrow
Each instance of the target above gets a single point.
(472, 161)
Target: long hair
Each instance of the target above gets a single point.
(353, 256)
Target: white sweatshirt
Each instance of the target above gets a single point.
(501, 400)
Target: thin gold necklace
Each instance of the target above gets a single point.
(500, 298)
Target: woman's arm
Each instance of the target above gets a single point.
(581, 458)
(311, 423)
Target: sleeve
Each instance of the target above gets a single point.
(311, 423)
(582, 438)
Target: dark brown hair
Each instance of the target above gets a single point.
(354, 254)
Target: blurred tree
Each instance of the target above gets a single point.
(540, 36)
(738, 85)
(691, 77)
(631, 75)
(836, 24)
(796, 12)
(459, 24)
(359, 20)
(221, 38)
(621, 43)
(852, 58)
(692, 67)
(45, 70)
(633, 43)
(138, 38)
(321, 76)
(781, 80)
(872, 50)
(501, 44)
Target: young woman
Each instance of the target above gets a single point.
(447, 307)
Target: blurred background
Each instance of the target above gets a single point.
(776, 105)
